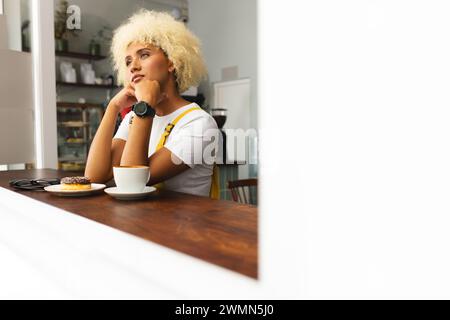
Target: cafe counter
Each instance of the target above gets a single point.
(169, 245)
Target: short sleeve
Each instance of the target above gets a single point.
(122, 132)
(196, 142)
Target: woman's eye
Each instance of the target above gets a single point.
(145, 55)
(127, 63)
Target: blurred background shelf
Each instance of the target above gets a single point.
(79, 55)
(75, 55)
(77, 124)
(74, 143)
(78, 105)
(71, 124)
(75, 160)
(85, 85)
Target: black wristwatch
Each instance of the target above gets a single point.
(143, 109)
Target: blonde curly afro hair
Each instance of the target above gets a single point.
(161, 30)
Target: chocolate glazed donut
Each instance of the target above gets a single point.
(75, 180)
(76, 183)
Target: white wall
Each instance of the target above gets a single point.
(13, 22)
(16, 90)
(359, 206)
(16, 108)
(228, 31)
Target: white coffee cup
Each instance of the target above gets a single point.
(131, 178)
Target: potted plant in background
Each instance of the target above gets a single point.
(61, 31)
(61, 43)
(104, 35)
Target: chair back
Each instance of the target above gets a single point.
(244, 191)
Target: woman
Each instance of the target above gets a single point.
(157, 58)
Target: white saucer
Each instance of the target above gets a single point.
(57, 190)
(121, 195)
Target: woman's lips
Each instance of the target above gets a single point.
(137, 78)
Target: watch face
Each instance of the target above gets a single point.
(140, 108)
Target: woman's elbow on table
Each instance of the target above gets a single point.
(97, 177)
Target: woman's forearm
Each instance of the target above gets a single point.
(136, 149)
(98, 166)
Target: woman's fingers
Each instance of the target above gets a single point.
(130, 93)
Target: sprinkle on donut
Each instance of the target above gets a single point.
(75, 180)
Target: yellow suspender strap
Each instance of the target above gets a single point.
(215, 188)
(170, 126)
(214, 192)
(166, 133)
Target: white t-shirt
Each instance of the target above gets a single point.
(194, 136)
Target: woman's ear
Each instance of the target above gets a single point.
(171, 67)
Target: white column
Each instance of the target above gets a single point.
(43, 46)
(12, 12)
(3, 32)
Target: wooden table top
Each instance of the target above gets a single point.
(220, 232)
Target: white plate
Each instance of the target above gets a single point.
(57, 190)
(114, 192)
